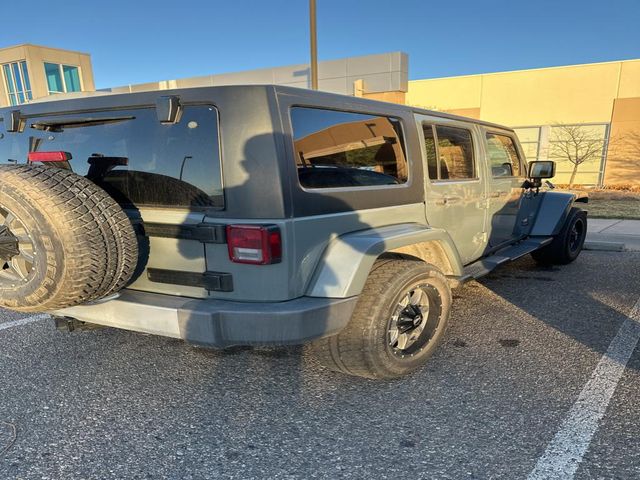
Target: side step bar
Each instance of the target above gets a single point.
(486, 265)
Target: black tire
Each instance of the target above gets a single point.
(567, 245)
(68, 242)
(366, 345)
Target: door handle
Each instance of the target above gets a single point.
(497, 194)
(447, 200)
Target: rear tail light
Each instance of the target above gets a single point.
(49, 156)
(256, 244)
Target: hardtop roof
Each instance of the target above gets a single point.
(100, 99)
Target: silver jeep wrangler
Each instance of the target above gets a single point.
(267, 215)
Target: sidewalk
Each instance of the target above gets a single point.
(604, 232)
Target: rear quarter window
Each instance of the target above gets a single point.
(138, 160)
(344, 149)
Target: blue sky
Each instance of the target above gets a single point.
(139, 40)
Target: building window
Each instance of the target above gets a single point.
(16, 78)
(345, 149)
(530, 141)
(62, 78)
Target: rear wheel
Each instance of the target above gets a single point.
(398, 322)
(567, 245)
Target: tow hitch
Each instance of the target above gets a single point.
(69, 324)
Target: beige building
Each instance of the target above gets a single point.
(586, 114)
(29, 71)
(382, 76)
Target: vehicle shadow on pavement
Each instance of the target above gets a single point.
(588, 308)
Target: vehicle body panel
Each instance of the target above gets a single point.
(447, 201)
(170, 253)
(314, 234)
(349, 258)
(551, 212)
(504, 195)
(219, 323)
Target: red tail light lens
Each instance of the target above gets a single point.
(256, 244)
(49, 156)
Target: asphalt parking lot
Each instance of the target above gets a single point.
(522, 345)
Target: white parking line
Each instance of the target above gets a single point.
(23, 321)
(566, 450)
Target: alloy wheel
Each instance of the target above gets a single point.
(411, 325)
(17, 250)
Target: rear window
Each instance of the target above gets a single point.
(344, 149)
(138, 160)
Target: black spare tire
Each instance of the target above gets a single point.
(63, 240)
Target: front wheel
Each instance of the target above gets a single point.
(398, 322)
(567, 245)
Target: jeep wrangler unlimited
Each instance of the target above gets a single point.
(248, 215)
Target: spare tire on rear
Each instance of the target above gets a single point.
(63, 240)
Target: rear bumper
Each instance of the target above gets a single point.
(219, 323)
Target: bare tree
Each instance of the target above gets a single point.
(631, 141)
(623, 156)
(576, 144)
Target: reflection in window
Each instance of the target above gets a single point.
(503, 156)
(138, 160)
(529, 141)
(430, 149)
(17, 83)
(62, 78)
(454, 154)
(342, 149)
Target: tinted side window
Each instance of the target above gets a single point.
(343, 149)
(430, 149)
(455, 153)
(138, 160)
(503, 156)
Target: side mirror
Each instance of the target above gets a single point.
(542, 169)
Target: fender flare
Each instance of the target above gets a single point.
(347, 260)
(552, 212)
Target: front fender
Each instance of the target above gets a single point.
(553, 208)
(347, 260)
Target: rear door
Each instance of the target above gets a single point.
(507, 174)
(455, 197)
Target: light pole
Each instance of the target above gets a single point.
(314, 44)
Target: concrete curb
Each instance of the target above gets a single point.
(604, 246)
